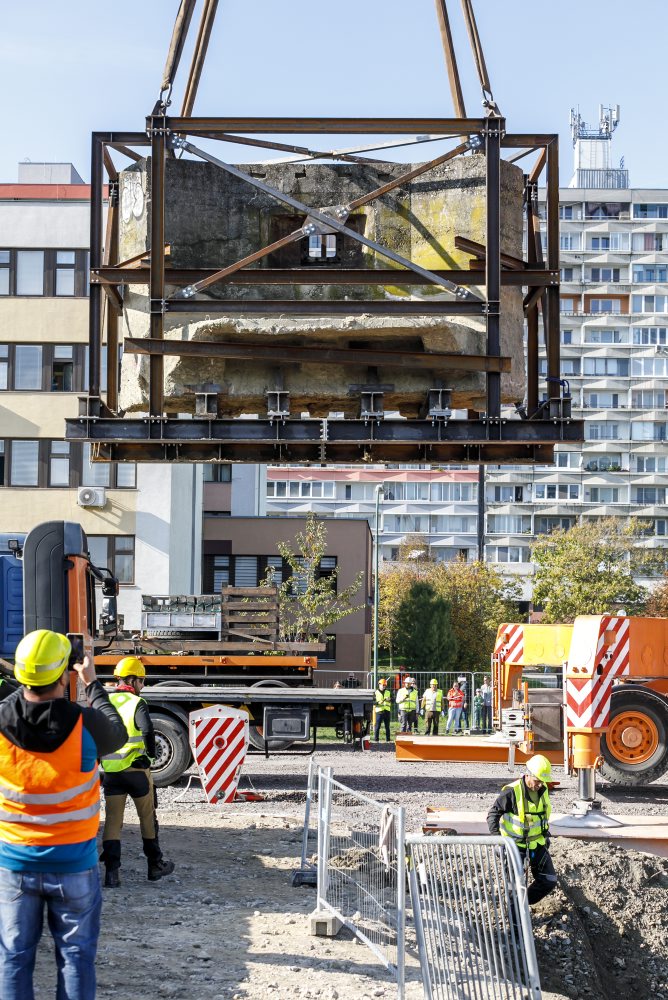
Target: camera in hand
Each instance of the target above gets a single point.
(77, 654)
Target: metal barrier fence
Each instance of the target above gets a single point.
(362, 870)
(472, 919)
(307, 873)
(446, 679)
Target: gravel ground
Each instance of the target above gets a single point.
(228, 923)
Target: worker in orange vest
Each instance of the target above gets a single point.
(456, 699)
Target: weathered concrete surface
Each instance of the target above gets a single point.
(213, 219)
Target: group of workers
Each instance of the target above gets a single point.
(50, 748)
(431, 706)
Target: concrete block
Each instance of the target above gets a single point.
(324, 924)
(213, 219)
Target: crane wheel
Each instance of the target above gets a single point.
(635, 747)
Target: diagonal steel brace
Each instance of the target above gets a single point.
(316, 219)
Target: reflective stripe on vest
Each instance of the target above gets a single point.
(34, 787)
(529, 826)
(384, 700)
(125, 703)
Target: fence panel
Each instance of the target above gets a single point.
(472, 919)
(362, 870)
(446, 679)
(306, 874)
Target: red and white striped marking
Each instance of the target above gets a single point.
(219, 742)
(510, 643)
(588, 699)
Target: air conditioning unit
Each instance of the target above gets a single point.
(91, 496)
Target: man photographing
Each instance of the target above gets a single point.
(49, 816)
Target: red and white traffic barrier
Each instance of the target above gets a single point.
(219, 742)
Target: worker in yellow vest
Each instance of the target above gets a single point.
(128, 772)
(407, 702)
(383, 710)
(522, 812)
(432, 706)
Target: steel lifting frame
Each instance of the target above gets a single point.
(487, 437)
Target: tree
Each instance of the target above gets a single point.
(425, 638)
(480, 599)
(657, 604)
(394, 582)
(588, 570)
(308, 601)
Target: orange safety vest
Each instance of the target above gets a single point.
(456, 698)
(45, 798)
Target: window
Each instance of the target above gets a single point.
(605, 209)
(508, 554)
(30, 272)
(62, 368)
(604, 463)
(605, 305)
(556, 491)
(417, 491)
(602, 400)
(509, 524)
(322, 246)
(24, 467)
(569, 366)
(566, 336)
(606, 366)
(114, 552)
(567, 274)
(507, 494)
(649, 366)
(4, 366)
(544, 525)
(602, 432)
(650, 335)
(649, 303)
(650, 272)
(651, 463)
(648, 494)
(598, 335)
(5, 272)
(567, 304)
(569, 241)
(59, 463)
(611, 241)
(442, 524)
(567, 459)
(566, 211)
(656, 211)
(2, 462)
(221, 473)
(647, 430)
(648, 242)
(648, 399)
(112, 474)
(27, 366)
(604, 494)
(604, 274)
(65, 264)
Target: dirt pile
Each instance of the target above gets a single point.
(604, 933)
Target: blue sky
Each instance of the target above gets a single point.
(308, 57)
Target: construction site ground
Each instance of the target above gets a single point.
(228, 925)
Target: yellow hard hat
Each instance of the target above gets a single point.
(41, 657)
(129, 666)
(433, 681)
(540, 767)
(382, 681)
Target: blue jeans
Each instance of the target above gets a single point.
(73, 904)
(454, 715)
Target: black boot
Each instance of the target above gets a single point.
(156, 869)
(112, 878)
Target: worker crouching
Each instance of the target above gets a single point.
(522, 812)
(128, 772)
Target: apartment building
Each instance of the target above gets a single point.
(128, 511)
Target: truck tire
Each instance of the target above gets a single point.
(635, 746)
(255, 732)
(173, 755)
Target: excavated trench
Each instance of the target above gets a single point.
(604, 932)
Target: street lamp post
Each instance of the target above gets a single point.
(380, 492)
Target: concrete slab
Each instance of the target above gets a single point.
(324, 924)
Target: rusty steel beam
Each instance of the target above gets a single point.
(157, 268)
(304, 151)
(409, 176)
(216, 127)
(551, 324)
(95, 297)
(130, 153)
(450, 59)
(538, 167)
(479, 250)
(226, 272)
(493, 261)
(516, 140)
(280, 352)
(318, 276)
(297, 307)
(115, 300)
(199, 55)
